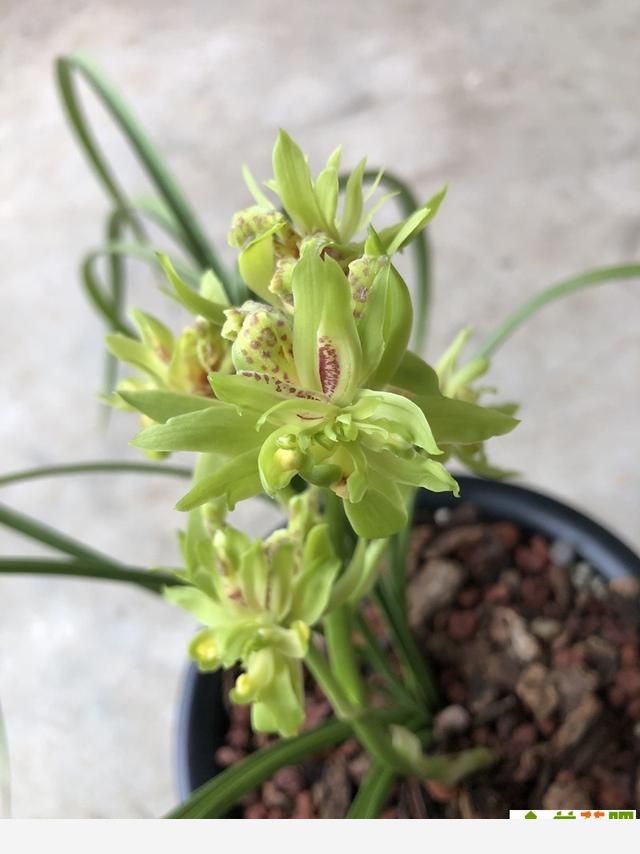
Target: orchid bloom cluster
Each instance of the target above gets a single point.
(307, 386)
(258, 601)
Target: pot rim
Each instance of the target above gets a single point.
(202, 719)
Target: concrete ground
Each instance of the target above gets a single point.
(529, 111)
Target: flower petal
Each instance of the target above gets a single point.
(160, 405)
(295, 188)
(218, 428)
(235, 480)
(326, 346)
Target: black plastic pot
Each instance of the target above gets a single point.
(202, 720)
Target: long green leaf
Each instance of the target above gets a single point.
(50, 537)
(373, 792)
(154, 209)
(116, 287)
(416, 668)
(378, 659)
(215, 798)
(589, 279)
(99, 467)
(152, 580)
(193, 235)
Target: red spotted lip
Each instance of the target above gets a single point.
(328, 366)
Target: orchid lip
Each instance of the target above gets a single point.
(328, 366)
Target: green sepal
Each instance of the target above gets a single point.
(212, 289)
(248, 393)
(353, 203)
(295, 187)
(235, 480)
(190, 299)
(417, 470)
(458, 422)
(137, 354)
(381, 512)
(253, 576)
(314, 584)
(396, 328)
(475, 459)
(371, 327)
(281, 583)
(155, 335)
(198, 603)
(256, 263)
(396, 237)
(254, 189)
(327, 189)
(218, 428)
(414, 375)
(374, 245)
(160, 405)
(449, 358)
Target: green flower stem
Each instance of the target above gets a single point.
(97, 467)
(371, 734)
(322, 673)
(342, 654)
(373, 792)
(342, 534)
(49, 536)
(86, 568)
(592, 277)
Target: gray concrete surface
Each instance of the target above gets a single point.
(528, 110)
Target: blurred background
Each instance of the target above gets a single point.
(529, 111)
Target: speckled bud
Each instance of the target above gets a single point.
(362, 273)
(264, 342)
(252, 222)
(281, 281)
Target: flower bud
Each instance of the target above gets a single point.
(252, 222)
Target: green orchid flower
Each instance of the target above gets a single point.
(458, 381)
(258, 601)
(308, 399)
(271, 240)
(180, 365)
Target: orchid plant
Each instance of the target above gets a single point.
(292, 378)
